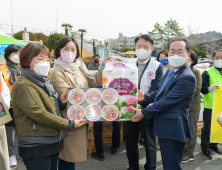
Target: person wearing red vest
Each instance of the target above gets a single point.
(10, 73)
(4, 158)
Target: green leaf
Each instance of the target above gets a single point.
(135, 90)
(122, 103)
(127, 115)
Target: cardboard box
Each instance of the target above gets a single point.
(90, 124)
(139, 137)
(5, 116)
(121, 125)
(121, 136)
(107, 137)
(90, 133)
(91, 149)
(91, 142)
(199, 130)
(109, 127)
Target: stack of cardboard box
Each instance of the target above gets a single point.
(91, 143)
(107, 135)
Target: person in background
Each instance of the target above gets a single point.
(171, 105)
(194, 110)
(37, 108)
(11, 71)
(95, 65)
(4, 158)
(97, 126)
(71, 72)
(150, 74)
(211, 79)
(162, 57)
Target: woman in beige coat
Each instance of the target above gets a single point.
(70, 71)
(4, 158)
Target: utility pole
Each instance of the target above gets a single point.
(56, 20)
(11, 16)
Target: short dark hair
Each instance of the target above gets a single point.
(62, 44)
(194, 58)
(11, 49)
(30, 51)
(145, 37)
(215, 52)
(181, 39)
(164, 51)
(96, 55)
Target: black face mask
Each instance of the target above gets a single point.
(96, 61)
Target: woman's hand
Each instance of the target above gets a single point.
(63, 97)
(105, 60)
(140, 95)
(79, 123)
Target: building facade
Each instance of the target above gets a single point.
(122, 41)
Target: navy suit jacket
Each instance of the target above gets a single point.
(171, 108)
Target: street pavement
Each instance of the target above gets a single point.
(120, 162)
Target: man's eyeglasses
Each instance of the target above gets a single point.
(179, 52)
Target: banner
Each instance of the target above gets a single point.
(4, 46)
(216, 121)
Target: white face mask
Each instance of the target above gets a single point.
(189, 63)
(142, 53)
(218, 63)
(176, 60)
(15, 59)
(42, 68)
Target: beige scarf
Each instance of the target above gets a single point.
(73, 69)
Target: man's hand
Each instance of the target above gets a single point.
(105, 60)
(138, 116)
(139, 106)
(140, 96)
(212, 88)
(79, 123)
(63, 97)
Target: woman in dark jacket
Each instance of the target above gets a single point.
(194, 110)
(37, 108)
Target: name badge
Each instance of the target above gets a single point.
(7, 73)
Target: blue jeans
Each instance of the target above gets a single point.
(63, 165)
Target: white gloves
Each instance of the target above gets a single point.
(212, 88)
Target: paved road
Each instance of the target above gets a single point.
(119, 161)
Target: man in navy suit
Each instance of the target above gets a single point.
(171, 104)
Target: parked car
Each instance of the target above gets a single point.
(206, 61)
